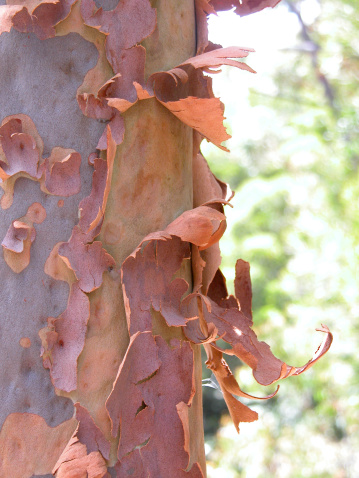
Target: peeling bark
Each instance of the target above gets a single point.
(122, 285)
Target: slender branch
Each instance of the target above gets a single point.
(312, 48)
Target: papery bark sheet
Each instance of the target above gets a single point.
(158, 381)
(230, 319)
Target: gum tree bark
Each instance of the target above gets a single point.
(110, 221)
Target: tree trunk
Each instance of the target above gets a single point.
(151, 185)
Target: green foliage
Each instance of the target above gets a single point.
(297, 188)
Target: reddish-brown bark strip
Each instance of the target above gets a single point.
(156, 378)
(227, 319)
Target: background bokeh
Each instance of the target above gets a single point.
(294, 166)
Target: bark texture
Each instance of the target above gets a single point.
(110, 222)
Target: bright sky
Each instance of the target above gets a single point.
(268, 32)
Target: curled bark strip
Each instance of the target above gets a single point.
(235, 329)
(147, 274)
(21, 150)
(220, 56)
(28, 446)
(158, 383)
(85, 453)
(206, 187)
(20, 236)
(202, 226)
(147, 280)
(239, 412)
(183, 90)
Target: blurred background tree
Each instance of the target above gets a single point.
(294, 166)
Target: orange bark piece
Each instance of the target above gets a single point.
(56, 268)
(28, 446)
(202, 226)
(36, 213)
(156, 378)
(206, 186)
(183, 90)
(25, 342)
(64, 338)
(204, 115)
(229, 386)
